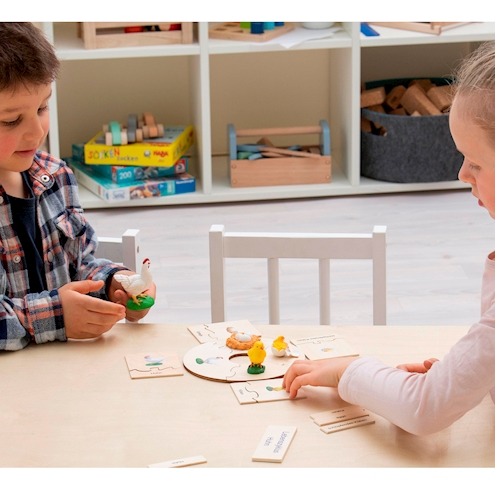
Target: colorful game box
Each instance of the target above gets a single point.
(126, 174)
(157, 152)
(148, 188)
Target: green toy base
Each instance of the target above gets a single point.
(255, 369)
(144, 303)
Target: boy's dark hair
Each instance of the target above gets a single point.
(26, 56)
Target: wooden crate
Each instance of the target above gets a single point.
(233, 31)
(422, 27)
(112, 34)
(295, 168)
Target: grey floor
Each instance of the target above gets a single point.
(436, 246)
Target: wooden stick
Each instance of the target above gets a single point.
(279, 131)
(269, 154)
(283, 151)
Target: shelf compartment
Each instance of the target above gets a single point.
(112, 35)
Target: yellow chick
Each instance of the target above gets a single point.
(279, 343)
(257, 354)
(279, 347)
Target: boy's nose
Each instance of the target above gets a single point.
(465, 174)
(34, 131)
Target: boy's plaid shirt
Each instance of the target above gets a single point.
(69, 243)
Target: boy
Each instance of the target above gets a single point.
(51, 285)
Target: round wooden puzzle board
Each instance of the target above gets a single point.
(217, 362)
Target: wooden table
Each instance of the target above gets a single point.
(73, 404)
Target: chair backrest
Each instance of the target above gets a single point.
(123, 249)
(274, 246)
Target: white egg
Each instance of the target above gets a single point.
(242, 337)
(278, 353)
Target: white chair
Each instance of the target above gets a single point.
(122, 250)
(274, 246)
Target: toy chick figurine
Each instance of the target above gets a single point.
(256, 355)
(279, 347)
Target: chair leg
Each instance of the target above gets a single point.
(324, 268)
(273, 291)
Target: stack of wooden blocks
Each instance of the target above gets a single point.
(421, 97)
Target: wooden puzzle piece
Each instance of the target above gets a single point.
(154, 364)
(338, 415)
(274, 443)
(213, 332)
(346, 425)
(262, 391)
(187, 461)
(324, 347)
(213, 361)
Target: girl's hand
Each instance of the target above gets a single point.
(325, 372)
(418, 367)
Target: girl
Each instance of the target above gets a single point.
(423, 398)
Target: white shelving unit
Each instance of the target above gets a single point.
(211, 83)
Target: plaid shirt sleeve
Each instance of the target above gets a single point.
(69, 244)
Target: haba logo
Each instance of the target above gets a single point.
(162, 154)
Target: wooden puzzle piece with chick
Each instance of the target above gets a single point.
(262, 391)
(324, 347)
(154, 364)
(212, 332)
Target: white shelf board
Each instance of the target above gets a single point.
(372, 186)
(70, 47)
(340, 39)
(223, 193)
(476, 31)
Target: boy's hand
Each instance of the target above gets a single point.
(118, 295)
(85, 316)
(325, 372)
(418, 367)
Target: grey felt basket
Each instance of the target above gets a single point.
(415, 149)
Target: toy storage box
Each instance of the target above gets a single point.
(280, 171)
(414, 149)
(112, 35)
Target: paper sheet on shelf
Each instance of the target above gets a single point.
(300, 34)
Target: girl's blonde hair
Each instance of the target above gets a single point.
(474, 85)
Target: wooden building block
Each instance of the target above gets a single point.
(374, 96)
(365, 125)
(415, 99)
(424, 84)
(441, 96)
(394, 96)
(379, 109)
(398, 111)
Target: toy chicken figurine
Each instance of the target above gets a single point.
(135, 285)
(256, 355)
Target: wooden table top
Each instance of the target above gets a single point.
(74, 404)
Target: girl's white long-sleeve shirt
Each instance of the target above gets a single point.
(426, 403)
